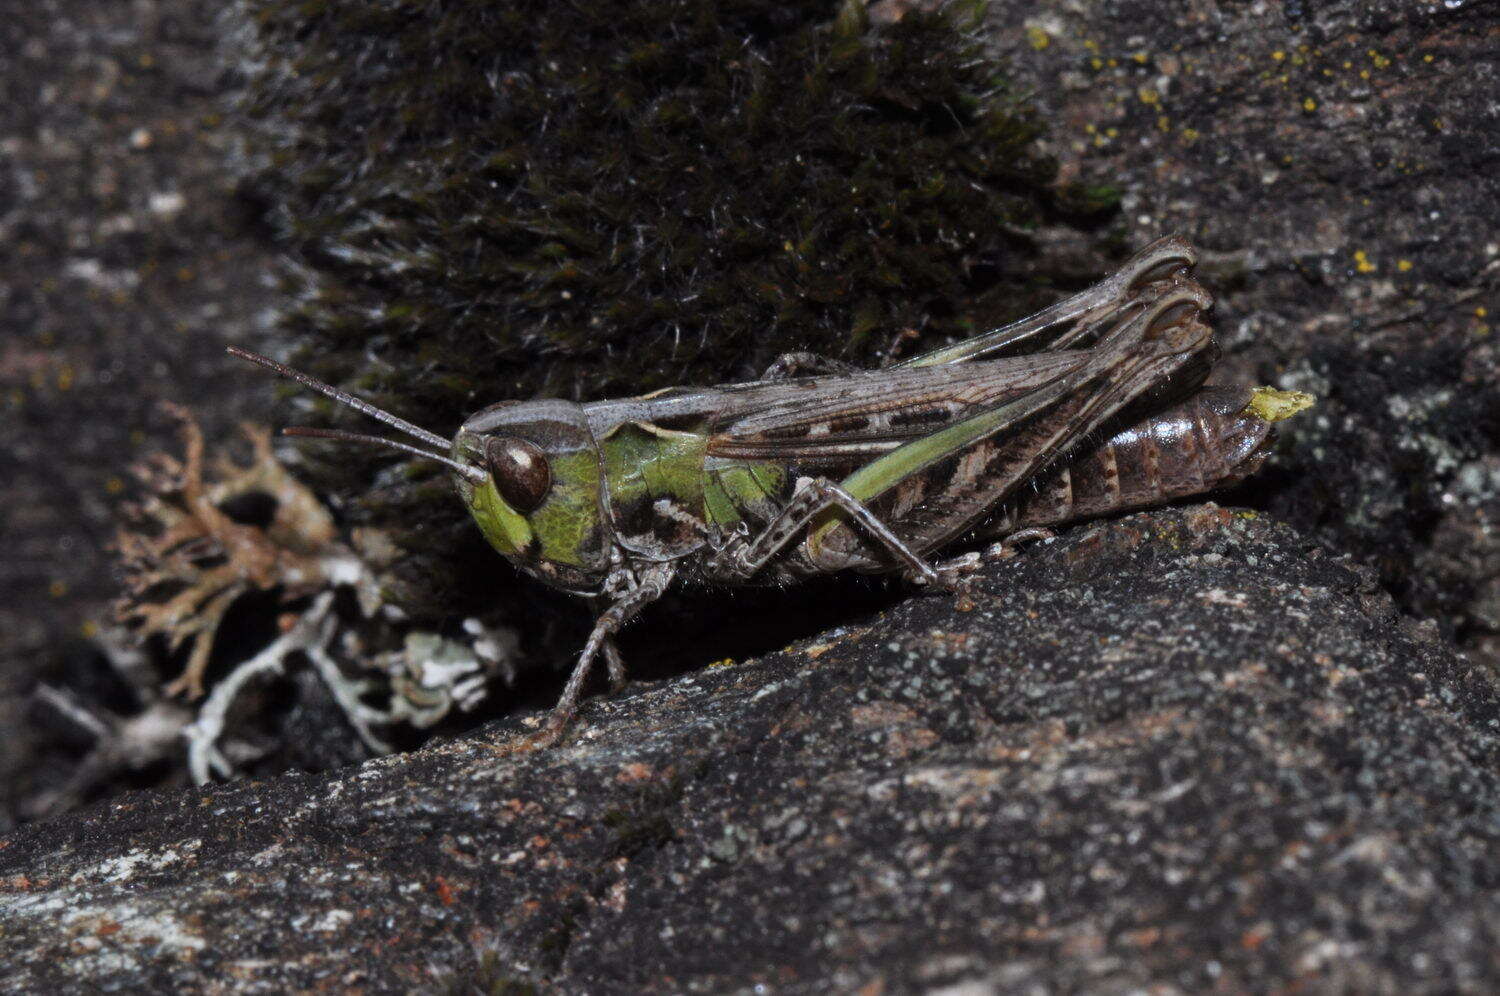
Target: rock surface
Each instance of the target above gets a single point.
(1184, 749)
(127, 260)
(1339, 163)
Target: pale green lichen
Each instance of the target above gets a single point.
(1273, 405)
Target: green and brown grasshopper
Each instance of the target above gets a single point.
(868, 470)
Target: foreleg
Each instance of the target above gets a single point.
(651, 584)
(612, 658)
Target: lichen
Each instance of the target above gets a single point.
(193, 548)
(1271, 405)
(186, 558)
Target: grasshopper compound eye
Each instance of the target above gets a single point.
(520, 470)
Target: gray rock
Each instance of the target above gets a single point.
(1337, 163)
(1184, 749)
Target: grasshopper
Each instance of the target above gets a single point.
(794, 475)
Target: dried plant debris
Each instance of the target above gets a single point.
(187, 558)
(121, 743)
(211, 537)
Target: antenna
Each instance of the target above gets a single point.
(343, 398)
(472, 473)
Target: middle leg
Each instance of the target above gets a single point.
(743, 556)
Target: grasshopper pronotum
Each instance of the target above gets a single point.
(868, 470)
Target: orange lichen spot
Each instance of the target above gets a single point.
(1141, 57)
(1038, 37)
(1362, 262)
(1278, 55)
(1404, 265)
(1148, 95)
(1481, 311)
(1253, 938)
(58, 588)
(1308, 104)
(1097, 63)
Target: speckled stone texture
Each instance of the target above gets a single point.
(1186, 749)
(1183, 749)
(1339, 164)
(128, 258)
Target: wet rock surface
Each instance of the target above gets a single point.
(1184, 749)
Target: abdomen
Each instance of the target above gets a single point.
(1208, 441)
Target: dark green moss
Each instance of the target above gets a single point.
(491, 976)
(644, 822)
(507, 200)
(1089, 200)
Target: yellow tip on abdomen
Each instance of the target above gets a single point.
(1271, 405)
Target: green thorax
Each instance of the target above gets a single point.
(654, 479)
(665, 490)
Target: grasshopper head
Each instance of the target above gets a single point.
(540, 503)
(529, 473)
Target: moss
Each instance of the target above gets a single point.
(587, 200)
(1090, 200)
